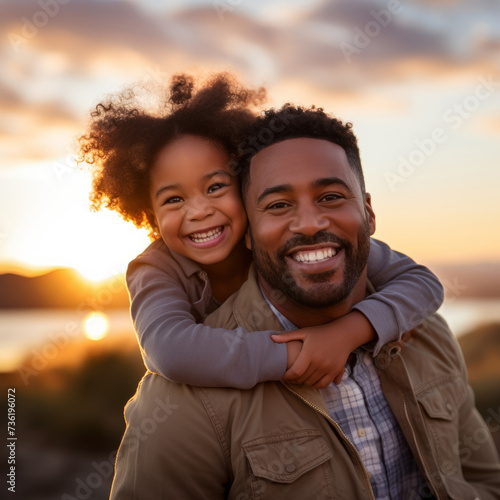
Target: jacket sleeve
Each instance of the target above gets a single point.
(176, 346)
(478, 454)
(170, 448)
(476, 448)
(406, 293)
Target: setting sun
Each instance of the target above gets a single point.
(98, 245)
(95, 326)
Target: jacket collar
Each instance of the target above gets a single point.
(251, 310)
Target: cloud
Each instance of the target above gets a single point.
(63, 66)
(437, 33)
(125, 35)
(423, 39)
(33, 130)
(49, 80)
(94, 25)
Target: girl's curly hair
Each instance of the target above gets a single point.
(129, 128)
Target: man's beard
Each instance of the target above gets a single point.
(277, 274)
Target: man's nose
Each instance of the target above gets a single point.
(198, 208)
(308, 220)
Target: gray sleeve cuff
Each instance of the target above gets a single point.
(382, 318)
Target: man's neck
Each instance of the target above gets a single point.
(302, 316)
(226, 277)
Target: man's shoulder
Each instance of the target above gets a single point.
(432, 347)
(155, 391)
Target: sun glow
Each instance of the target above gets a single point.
(95, 326)
(65, 233)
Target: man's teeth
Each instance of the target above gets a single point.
(316, 256)
(209, 235)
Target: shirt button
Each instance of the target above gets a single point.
(290, 467)
(361, 433)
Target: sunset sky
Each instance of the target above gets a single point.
(420, 80)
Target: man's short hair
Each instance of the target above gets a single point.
(292, 122)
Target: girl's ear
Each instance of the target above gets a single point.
(248, 240)
(150, 213)
(151, 217)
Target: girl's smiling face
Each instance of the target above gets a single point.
(196, 201)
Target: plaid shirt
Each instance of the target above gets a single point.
(359, 406)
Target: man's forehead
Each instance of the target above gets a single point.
(300, 159)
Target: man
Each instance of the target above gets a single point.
(398, 426)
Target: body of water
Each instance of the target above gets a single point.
(24, 331)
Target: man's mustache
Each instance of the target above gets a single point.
(316, 239)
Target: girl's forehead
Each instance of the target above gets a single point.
(189, 157)
(191, 148)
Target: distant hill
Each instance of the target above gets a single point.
(475, 280)
(66, 288)
(63, 288)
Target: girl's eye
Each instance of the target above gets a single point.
(216, 187)
(172, 199)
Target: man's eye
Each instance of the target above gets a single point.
(216, 187)
(172, 200)
(331, 197)
(278, 205)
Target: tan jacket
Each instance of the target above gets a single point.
(278, 440)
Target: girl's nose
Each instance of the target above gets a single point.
(199, 207)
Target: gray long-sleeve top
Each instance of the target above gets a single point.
(170, 296)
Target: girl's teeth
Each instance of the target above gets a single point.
(207, 236)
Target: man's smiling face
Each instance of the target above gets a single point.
(310, 223)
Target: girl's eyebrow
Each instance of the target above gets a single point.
(216, 172)
(206, 177)
(166, 188)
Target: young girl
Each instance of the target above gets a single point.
(172, 172)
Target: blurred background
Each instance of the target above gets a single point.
(420, 81)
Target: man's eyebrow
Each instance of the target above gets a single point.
(329, 181)
(280, 188)
(323, 182)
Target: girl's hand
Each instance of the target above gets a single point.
(325, 349)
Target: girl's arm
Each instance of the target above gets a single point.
(175, 346)
(406, 293)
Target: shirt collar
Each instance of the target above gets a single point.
(284, 321)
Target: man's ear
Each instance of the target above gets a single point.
(370, 214)
(248, 240)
